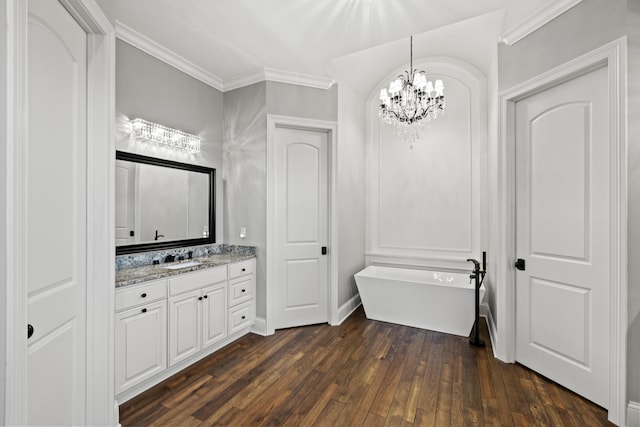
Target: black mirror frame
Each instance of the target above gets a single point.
(146, 247)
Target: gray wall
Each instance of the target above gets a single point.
(109, 9)
(150, 89)
(351, 190)
(290, 100)
(3, 205)
(245, 150)
(633, 129)
(493, 223)
(590, 24)
(245, 175)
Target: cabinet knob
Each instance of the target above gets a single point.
(200, 298)
(143, 295)
(144, 310)
(244, 269)
(244, 317)
(206, 296)
(243, 290)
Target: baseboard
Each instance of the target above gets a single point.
(116, 413)
(485, 312)
(633, 414)
(347, 308)
(260, 326)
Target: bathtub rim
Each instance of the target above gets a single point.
(464, 285)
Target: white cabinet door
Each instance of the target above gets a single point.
(184, 326)
(214, 314)
(141, 344)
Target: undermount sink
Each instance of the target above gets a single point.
(183, 265)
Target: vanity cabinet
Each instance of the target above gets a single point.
(242, 288)
(197, 312)
(140, 334)
(197, 320)
(164, 325)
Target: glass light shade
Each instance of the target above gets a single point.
(429, 88)
(146, 131)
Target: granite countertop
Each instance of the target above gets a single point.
(132, 276)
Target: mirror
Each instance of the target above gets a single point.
(162, 204)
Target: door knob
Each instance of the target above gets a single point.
(324, 250)
(520, 264)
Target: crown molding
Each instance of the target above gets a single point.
(281, 76)
(299, 79)
(244, 79)
(144, 43)
(545, 14)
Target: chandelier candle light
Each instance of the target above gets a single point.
(144, 130)
(411, 101)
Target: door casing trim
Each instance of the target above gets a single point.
(612, 56)
(331, 128)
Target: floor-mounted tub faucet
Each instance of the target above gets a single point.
(478, 276)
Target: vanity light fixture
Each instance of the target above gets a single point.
(144, 130)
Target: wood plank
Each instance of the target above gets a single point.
(362, 372)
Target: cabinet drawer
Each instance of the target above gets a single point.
(240, 290)
(240, 317)
(144, 293)
(197, 280)
(241, 268)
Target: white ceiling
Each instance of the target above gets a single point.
(232, 38)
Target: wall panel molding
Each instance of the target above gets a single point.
(424, 204)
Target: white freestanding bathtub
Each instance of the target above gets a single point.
(426, 299)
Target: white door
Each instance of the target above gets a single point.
(300, 232)
(125, 202)
(55, 196)
(562, 234)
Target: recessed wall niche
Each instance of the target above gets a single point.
(424, 203)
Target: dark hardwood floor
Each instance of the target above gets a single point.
(360, 373)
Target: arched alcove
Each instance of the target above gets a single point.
(425, 204)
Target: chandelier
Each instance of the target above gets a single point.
(411, 101)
